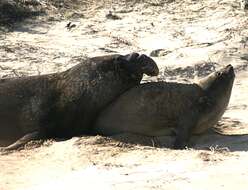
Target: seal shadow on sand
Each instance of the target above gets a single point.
(207, 141)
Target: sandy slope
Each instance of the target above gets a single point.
(184, 36)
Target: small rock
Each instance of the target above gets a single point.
(159, 52)
(69, 25)
(112, 16)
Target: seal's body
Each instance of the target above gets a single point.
(160, 108)
(65, 104)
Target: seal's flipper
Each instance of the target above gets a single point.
(205, 103)
(22, 141)
(183, 131)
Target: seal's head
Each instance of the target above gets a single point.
(217, 87)
(140, 64)
(220, 82)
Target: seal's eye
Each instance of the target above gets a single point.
(218, 74)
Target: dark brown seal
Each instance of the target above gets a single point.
(158, 108)
(65, 104)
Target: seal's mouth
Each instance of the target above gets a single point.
(155, 72)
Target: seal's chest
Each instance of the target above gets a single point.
(207, 121)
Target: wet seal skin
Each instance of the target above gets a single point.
(166, 108)
(64, 104)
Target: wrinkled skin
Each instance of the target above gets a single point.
(163, 108)
(65, 104)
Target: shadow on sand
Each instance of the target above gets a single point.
(208, 141)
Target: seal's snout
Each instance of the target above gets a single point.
(229, 70)
(229, 67)
(142, 63)
(149, 65)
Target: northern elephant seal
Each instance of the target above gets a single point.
(160, 108)
(65, 104)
